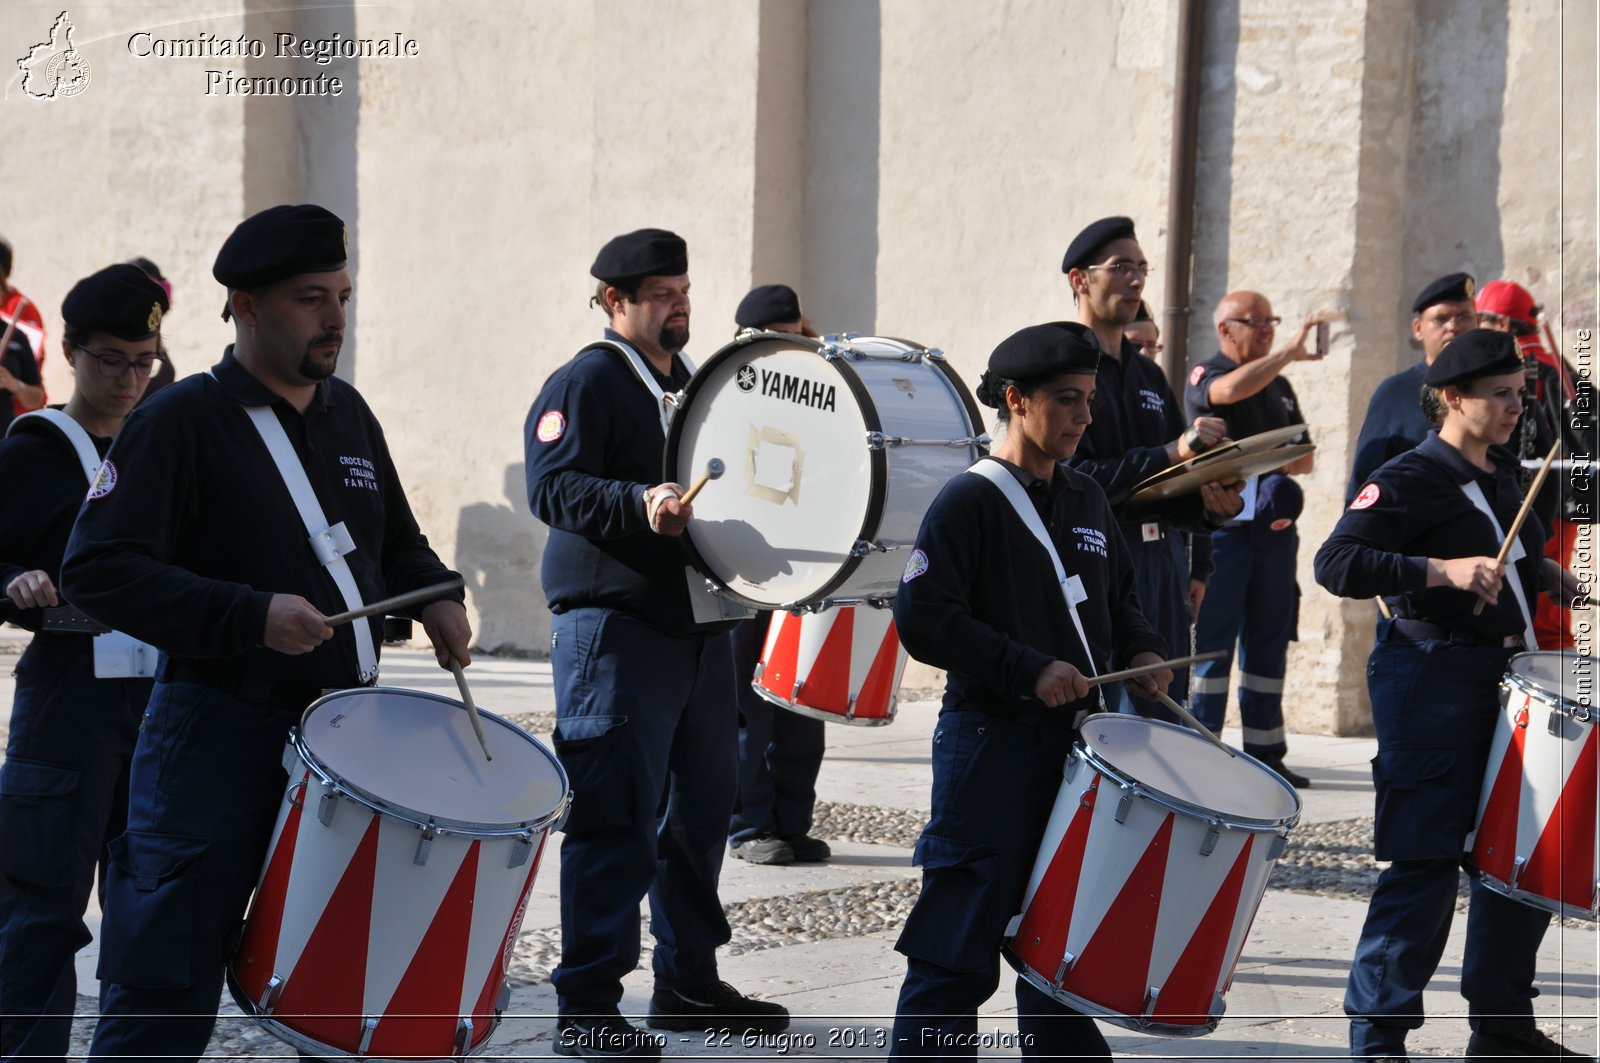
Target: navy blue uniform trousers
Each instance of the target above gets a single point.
(63, 798)
(1434, 705)
(780, 753)
(1161, 583)
(206, 783)
(1252, 602)
(647, 730)
(994, 784)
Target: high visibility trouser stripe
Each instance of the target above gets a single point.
(1204, 684)
(1263, 736)
(1260, 684)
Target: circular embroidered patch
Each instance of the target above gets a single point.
(1368, 495)
(1280, 524)
(916, 565)
(552, 426)
(105, 480)
(1195, 374)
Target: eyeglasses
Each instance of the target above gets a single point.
(112, 367)
(1463, 319)
(1126, 270)
(1256, 322)
(1151, 348)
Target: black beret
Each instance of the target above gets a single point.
(121, 300)
(1453, 288)
(641, 253)
(1084, 247)
(1038, 352)
(281, 242)
(1479, 353)
(767, 305)
(1143, 313)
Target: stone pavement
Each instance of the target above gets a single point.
(1285, 1001)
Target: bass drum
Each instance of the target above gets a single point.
(834, 450)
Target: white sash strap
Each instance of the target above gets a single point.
(116, 655)
(329, 544)
(666, 405)
(1475, 495)
(1072, 589)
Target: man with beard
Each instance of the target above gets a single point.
(1138, 430)
(646, 718)
(193, 540)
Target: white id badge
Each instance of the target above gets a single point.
(119, 656)
(708, 606)
(1076, 595)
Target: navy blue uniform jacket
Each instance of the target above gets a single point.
(190, 530)
(979, 597)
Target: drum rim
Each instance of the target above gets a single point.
(1249, 823)
(1100, 1011)
(416, 817)
(1569, 708)
(877, 491)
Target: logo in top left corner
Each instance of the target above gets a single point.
(55, 68)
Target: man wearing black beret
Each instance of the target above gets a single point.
(646, 719)
(1138, 431)
(64, 780)
(1018, 625)
(195, 538)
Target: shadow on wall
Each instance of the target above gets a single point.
(498, 549)
(1213, 207)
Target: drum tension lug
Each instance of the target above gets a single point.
(1275, 848)
(424, 844)
(369, 1026)
(1517, 865)
(1150, 996)
(503, 1000)
(850, 709)
(862, 548)
(521, 851)
(326, 803)
(463, 1038)
(1068, 962)
(1124, 804)
(794, 695)
(1070, 769)
(1209, 844)
(270, 995)
(1554, 725)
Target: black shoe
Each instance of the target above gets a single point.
(808, 850)
(1531, 1044)
(1289, 775)
(716, 1008)
(763, 849)
(604, 1037)
(1390, 1059)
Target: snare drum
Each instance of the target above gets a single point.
(843, 665)
(834, 451)
(1535, 839)
(1152, 867)
(396, 879)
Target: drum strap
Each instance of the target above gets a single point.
(666, 405)
(330, 543)
(1071, 586)
(1476, 496)
(116, 655)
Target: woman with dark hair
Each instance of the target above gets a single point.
(980, 598)
(1427, 527)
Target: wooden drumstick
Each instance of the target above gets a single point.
(470, 706)
(1146, 669)
(1183, 714)
(1522, 514)
(714, 471)
(397, 602)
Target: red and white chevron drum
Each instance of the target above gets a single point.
(842, 664)
(1152, 867)
(397, 877)
(1536, 835)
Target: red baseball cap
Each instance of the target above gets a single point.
(1508, 299)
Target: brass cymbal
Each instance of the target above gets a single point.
(1228, 469)
(1248, 445)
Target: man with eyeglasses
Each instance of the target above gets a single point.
(1139, 430)
(75, 716)
(1395, 422)
(1253, 602)
(197, 538)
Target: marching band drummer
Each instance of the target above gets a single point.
(192, 539)
(646, 721)
(64, 781)
(979, 599)
(1425, 527)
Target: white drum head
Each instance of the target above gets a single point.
(414, 755)
(1174, 762)
(801, 485)
(1567, 679)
